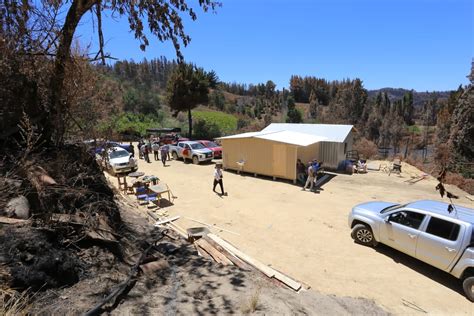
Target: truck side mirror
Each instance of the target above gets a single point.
(388, 219)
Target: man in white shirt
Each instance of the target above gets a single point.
(218, 179)
(310, 180)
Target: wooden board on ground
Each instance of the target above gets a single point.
(269, 272)
(235, 260)
(215, 254)
(11, 221)
(166, 220)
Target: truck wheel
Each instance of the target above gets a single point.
(362, 234)
(195, 160)
(468, 287)
(175, 155)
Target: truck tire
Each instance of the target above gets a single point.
(362, 234)
(468, 287)
(175, 155)
(195, 160)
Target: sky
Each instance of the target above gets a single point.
(424, 45)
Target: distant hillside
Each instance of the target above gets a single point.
(419, 98)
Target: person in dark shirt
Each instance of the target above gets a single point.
(300, 171)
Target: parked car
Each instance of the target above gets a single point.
(118, 160)
(191, 150)
(424, 230)
(216, 149)
(97, 146)
(168, 139)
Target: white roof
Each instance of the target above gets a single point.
(287, 137)
(331, 132)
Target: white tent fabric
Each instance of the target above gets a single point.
(331, 132)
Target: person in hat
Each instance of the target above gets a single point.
(218, 179)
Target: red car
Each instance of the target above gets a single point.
(216, 149)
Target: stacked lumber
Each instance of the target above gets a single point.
(215, 248)
(223, 252)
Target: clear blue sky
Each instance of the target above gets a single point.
(419, 44)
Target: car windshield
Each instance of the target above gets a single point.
(212, 145)
(118, 154)
(392, 208)
(197, 146)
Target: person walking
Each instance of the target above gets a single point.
(146, 152)
(164, 154)
(132, 149)
(310, 180)
(155, 147)
(218, 179)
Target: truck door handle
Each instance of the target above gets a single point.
(450, 249)
(412, 236)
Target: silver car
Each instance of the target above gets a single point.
(425, 230)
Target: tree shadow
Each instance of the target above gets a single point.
(190, 284)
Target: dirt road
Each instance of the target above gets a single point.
(306, 235)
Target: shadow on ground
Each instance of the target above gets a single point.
(427, 270)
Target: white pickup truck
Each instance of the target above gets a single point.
(424, 230)
(191, 150)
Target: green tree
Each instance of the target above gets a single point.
(188, 86)
(293, 115)
(35, 27)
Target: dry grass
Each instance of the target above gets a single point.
(253, 303)
(14, 303)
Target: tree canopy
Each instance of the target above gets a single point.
(188, 86)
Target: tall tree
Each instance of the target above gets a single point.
(313, 104)
(187, 87)
(293, 115)
(19, 18)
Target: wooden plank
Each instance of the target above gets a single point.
(470, 197)
(178, 229)
(235, 260)
(211, 226)
(215, 254)
(168, 220)
(287, 280)
(12, 221)
(269, 272)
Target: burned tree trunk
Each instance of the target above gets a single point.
(56, 121)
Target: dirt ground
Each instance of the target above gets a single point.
(306, 235)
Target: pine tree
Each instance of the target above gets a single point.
(293, 115)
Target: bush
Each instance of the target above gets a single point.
(226, 123)
(206, 130)
(366, 148)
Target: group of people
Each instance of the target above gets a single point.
(307, 175)
(145, 148)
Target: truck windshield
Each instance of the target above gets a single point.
(197, 146)
(392, 208)
(118, 154)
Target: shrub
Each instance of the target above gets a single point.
(226, 123)
(206, 130)
(366, 148)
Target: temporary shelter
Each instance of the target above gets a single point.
(275, 150)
